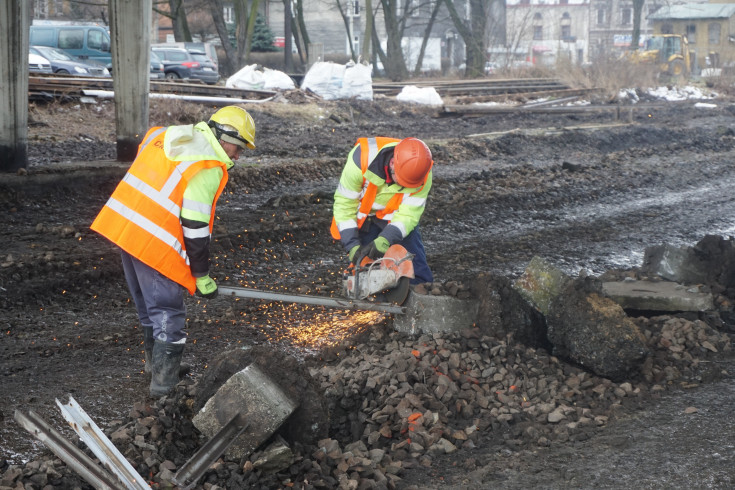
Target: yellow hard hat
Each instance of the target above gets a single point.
(234, 125)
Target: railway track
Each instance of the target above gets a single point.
(456, 93)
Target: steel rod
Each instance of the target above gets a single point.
(344, 304)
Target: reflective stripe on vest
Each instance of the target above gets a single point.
(143, 214)
(369, 149)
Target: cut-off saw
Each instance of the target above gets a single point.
(385, 280)
(378, 285)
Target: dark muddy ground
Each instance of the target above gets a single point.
(589, 199)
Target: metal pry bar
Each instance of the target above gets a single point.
(312, 300)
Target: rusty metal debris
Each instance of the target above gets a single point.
(100, 445)
(90, 471)
(121, 475)
(189, 474)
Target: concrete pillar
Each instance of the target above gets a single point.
(130, 27)
(14, 26)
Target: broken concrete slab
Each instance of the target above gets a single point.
(540, 283)
(658, 296)
(261, 401)
(711, 260)
(431, 314)
(594, 331)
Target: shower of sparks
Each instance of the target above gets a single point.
(311, 327)
(305, 329)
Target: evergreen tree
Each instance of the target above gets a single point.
(262, 36)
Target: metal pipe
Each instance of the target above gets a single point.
(312, 300)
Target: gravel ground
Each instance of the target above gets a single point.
(492, 412)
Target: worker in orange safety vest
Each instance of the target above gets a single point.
(161, 216)
(381, 196)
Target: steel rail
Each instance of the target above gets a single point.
(101, 446)
(344, 304)
(198, 464)
(82, 464)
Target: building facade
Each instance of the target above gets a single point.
(543, 32)
(709, 29)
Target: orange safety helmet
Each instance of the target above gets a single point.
(411, 162)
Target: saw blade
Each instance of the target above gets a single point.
(396, 295)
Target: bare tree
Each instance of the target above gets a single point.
(367, 36)
(425, 40)
(219, 24)
(636, 37)
(395, 24)
(299, 31)
(245, 26)
(344, 11)
(473, 31)
(177, 13)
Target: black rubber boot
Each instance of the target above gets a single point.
(184, 368)
(166, 364)
(148, 346)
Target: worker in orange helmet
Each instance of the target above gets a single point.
(161, 216)
(380, 199)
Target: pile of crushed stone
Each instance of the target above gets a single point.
(397, 402)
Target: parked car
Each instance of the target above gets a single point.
(180, 63)
(86, 42)
(157, 71)
(207, 48)
(63, 63)
(38, 64)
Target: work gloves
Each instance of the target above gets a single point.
(373, 250)
(353, 253)
(206, 287)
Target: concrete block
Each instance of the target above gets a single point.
(264, 406)
(433, 314)
(658, 296)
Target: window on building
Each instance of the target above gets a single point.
(667, 28)
(713, 33)
(538, 27)
(691, 32)
(229, 15)
(626, 16)
(563, 2)
(600, 16)
(566, 25)
(356, 8)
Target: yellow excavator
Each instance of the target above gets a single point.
(670, 52)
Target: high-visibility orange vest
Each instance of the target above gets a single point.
(142, 214)
(369, 149)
